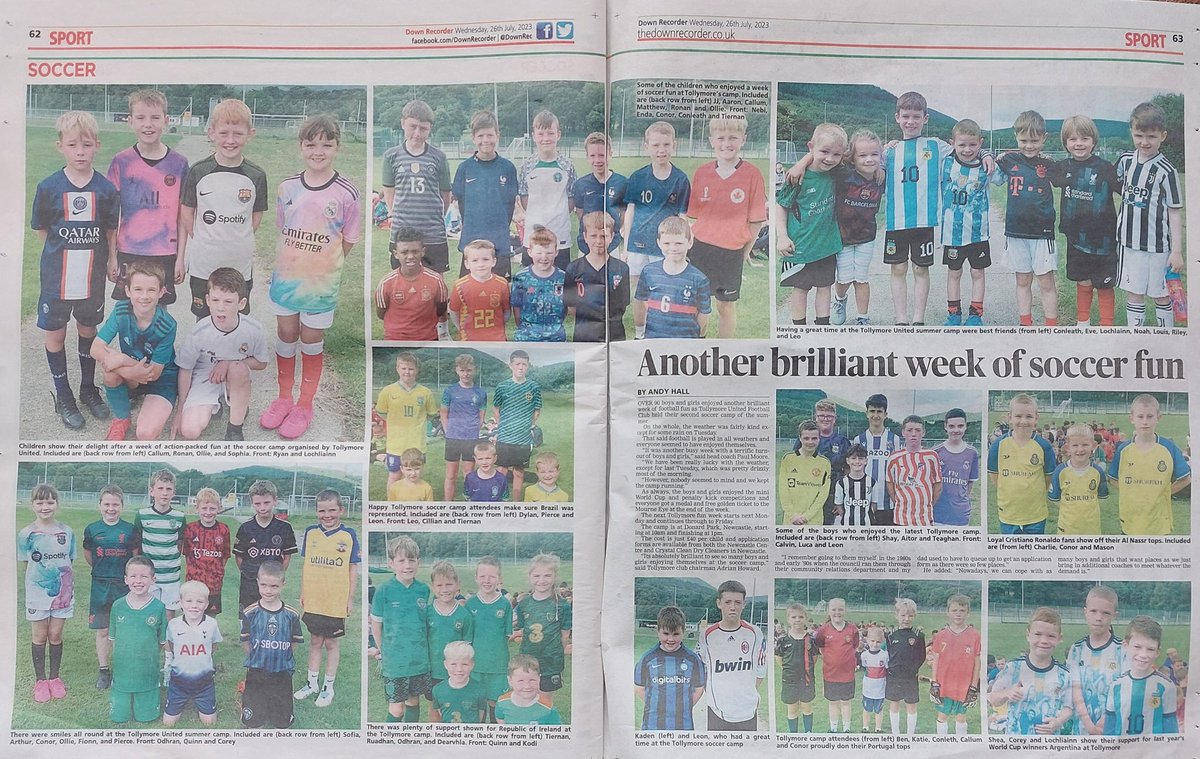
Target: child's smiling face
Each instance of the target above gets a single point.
(1030, 143)
(827, 153)
(911, 121)
(1080, 146)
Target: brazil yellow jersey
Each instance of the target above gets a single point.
(1078, 495)
(803, 487)
(407, 411)
(403, 490)
(1021, 470)
(1144, 477)
(325, 576)
(537, 493)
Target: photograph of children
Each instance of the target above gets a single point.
(911, 461)
(496, 213)
(909, 649)
(700, 654)
(455, 641)
(708, 278)
(1087, 658)
(216, 596)
(473, 424)
(1069, 198)
(207, 261)
(1088, 463)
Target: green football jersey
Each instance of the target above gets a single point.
(404, 613)
(467, 704)
(493, 627)
(137, 636)
(543, 622)
(443, 629)
(540, 712)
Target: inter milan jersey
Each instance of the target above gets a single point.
(403, 610)
(150, 190)
(1030, 211)
(1088, 215)
(76, 221)
(599, 297)
(1078, 495)
(724, 207)
(540, 300)
(325, 574)
(192, 648)
(543, 621)
(858, 200)
(1021, 470)
(674, 302)
(207, 550)
(489, 490)
(463, 406)
(315, 224)
(906, 653)
(959, 471)
(957, 657)
(407, 410)
(486, 192)
(546, 186)
(480, 306)
(1144, 480)
(465, 705)
(158, 536)
(110, 545)
(879, 449)
(1094, 670)
(1150, 188)
(256, 544)
(443, 629)
(964, 203)
(734, 660)
(799, 659)
(136, 635)
(811, 221)
(590, 194)
(516, 401)
(492, 626)
(418, 182)
(651, 200)
(668, 677)
(273, 637)
(913, 192)
(1046, 691)
(226, 199)
(49, 578)
(1141, 706)
(875, 668)
(155, 343)
(838, 649)
(412, 307)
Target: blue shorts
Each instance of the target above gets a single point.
(55, 314)
(392, 461)
(182, 690)
(1036, 528)
(872, 705)
(166, 386)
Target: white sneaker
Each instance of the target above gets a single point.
(837, 310)
(305, 692)
(325, 697)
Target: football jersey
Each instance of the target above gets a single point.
(668, 677)
(1047, 691)
(315, 226)
(1144, 479)
(839, 650)
(206, 344)
(1141, 706)
(481, 306)
(325, 572)
(964, 202)
(206, 550)
(1094, 670)
(875, 669)
(1149, 188)
(158, 535)
(443, 629)
(403, 490)
(517, 402)
(226, 199)
(256, 544)
(404, 613)
(137, 636)
(418, 182)
(855, 497)
(150, 190)
(49, 577)
(485, 490)
(465, 705)
(463, 405)
(879, 449)
(192, 648)
(411, 307)
(537, 493)
(674, 302)
(540, 712)
(906, 653)
(1030, 211)
(959, 472)
(590, 194)
(858, 200)
(540, 301)
(811, 221)
(76, 221)
(798, 659)
(546, 187)
(725, 207)
(803, 487)
(486, 192)
(913, 174)
(407, 412)
(599, 297)
(543, 621)
(155, 343)
(273, 637)
(651, 200)
(734, 660)
(110, 545)
(912, 476)
(1078, 497)
(1087, 215)
(957, 655)
(1021, 471)
(490, 631)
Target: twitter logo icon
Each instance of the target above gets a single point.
(564, 30)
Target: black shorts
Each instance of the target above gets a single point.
(900, 245)
(722, 266)
(716, 723)
(797, 693)
(55, 314)
(460, 450)
(551, 683)
(839, 691)
(397, 690)
(165, 264)
(819, 273)
(437, 257)
(902, 689)
(267, 699)
(200, 289)
(326, 627)
(978, 254)
(247, 593)
(512, 455)
(883, 518)
(1101, 270)
(214, 603)
(589, 331)
(104, 592)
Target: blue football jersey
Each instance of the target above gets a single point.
(590, 194)
(76, 221)
(651, 200)
(540, 301)
(674, 302)
(964, 203)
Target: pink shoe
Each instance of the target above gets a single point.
(58, 689)
(41, 691)
(296, 423)
(276, 413)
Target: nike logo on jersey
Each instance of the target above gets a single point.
(210, 192)
(469, 181)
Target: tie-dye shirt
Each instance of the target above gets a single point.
(149, 201)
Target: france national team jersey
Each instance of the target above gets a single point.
(156, 342)
(150, 191)
(1150, 188)
(651, 200)
(1078, 495)
(590, 194)
(674, 302)
(964, 202)
(76, 221)
(110, 545)
(1141, 706)
(1047, 691)
(315, 225)
(226, 199)
(486, 192)
(418, 182)
(879, 448)
(546, 185)
(959, 471)
(1030, 211)
(1144, 478)
(273, 636)
(49, 580)
(913, 173)
(192, 647)
(1094, 670)
(463, 405)
(1088, 215)
(669, 677)
(540, 300)
(735, 660)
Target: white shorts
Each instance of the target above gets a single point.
(1025, 256)
(638, 261)
(854, 263)
(1143, 273)
(312, 321)
(168, 593)
(37, 615)
(204, 393)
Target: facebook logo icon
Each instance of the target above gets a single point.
(545, 30)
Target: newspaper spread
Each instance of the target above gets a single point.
(599, 379)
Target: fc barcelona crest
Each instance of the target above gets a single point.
(245, 195)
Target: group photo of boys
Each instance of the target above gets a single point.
(1088, 463)
(1064, 203)
(1087, 658)
(470, 627)
(907, 458)
(473, 424)
(220, 596)
(188, 246)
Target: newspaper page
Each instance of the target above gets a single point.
(258, 497)
(903, 509)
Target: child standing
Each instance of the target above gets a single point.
(856, 495)
(138, 631)
(545, 621)
(525, 704)
(107, 545)
(412, 299)
(479, 301)
(596, 286)
(797, 656)
(545, 182)
(838, 642)
(407, 406)
(669, 678)
(270, 633)
(410, 486)
(874, 662)
(158, 535)
(859, 193)
(804, 479)
(675, 291)
(914, 477)
(954, 657)
(734, 653)
(1147, 471)
(1141, 701)
(1027, 461)
(485, 186)
(416, 186)
(485, 482)
(1036, 687)
(191, 639)
(906, 656)
(965, 223)
(959, 462)
(399, 624)
(516, 406)
(261, 539)
(47, 546)
(492, 628)
(1095, 661)
(602, 190)
(1078, 485)
(536, 295)
(449, 621)
(463, 407)
(880, 443)
(459, 698)
(207, 548)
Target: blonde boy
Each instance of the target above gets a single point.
(479, 301)
(485, 186)
(1141, 701)
(406, 406)
(1036, 687)
(416, 186)
(410, 487)
(107, 544)
(546, 489)
(954, 658)
(399, 624)
(537, 293)
(207, 547)
(459, 698)
(601, 190)
(1078, 485)
(1019, 467)
(544, 185)
(1095, 661)
(1147, 471)
(525, 704)
(47, 547)
(906, 655)
(191, 639)
(449, 621)
(222, 203)
(676, 292)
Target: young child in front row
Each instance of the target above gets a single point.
(410, 486)
(906, 655)
(107, 545)
(838, 641)
(796, 653)
(399, 625)
(1026, 461)
(965, 223)
(545, 621)
(493, 626)
(1095, 661)
(191, 639)
(1147, 470)
(525, 703)
(536, 295)
(954, 657)
(676, 292)
(47, 546)
(485, 482)
(546, 488)
(1036, 687)
(874, 662)
(449, 621)
(596, 286)
(479, 301)
(669, 678)
(855, 495)
(206, 547)
(459, 698)
(270, 634)
(1078, 485)
(138, 631)
(1141, 701)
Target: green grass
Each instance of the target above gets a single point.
(1173, 426)
(87, 708)
(1007, 639)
